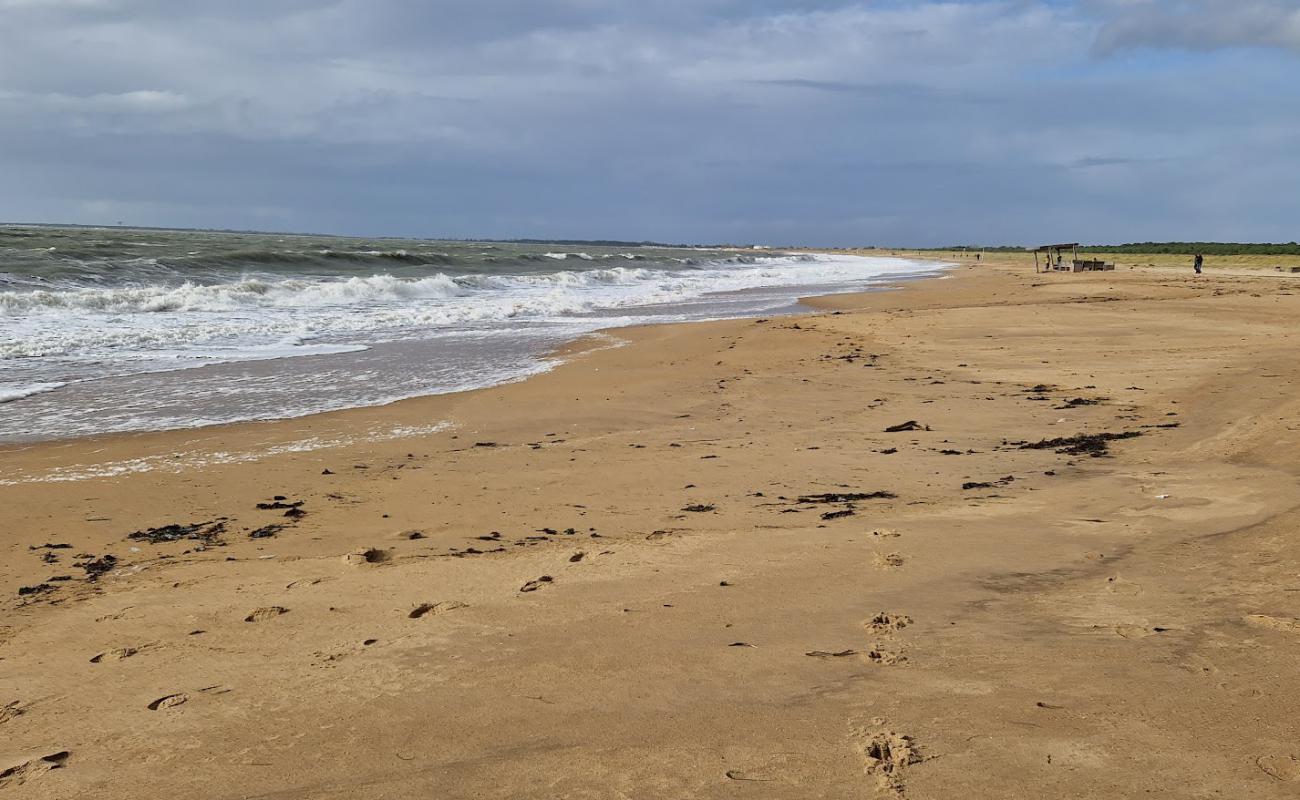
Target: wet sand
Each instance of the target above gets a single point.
(698, 565)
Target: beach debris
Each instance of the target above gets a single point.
(825, 654)
(534, 585)
(40, 588)
(740, 775)
(265, 612)
(1095, 445)
(279, 503)
(1076, 402)
(485, 444)
(845, 497)
(472, 551)
(170, 701)
(298, 513)
(889, 451)
(910, 425)
(265, 532)
(700, 508)
(206, 532)
(848, 512)
(327, 471)
(50, 546)
(988, 484)
(98, 566)
(576, 557)
(742, 644)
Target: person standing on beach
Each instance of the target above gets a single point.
(1197, 262)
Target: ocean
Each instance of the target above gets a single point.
(106, 330)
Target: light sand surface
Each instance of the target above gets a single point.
(618, 592)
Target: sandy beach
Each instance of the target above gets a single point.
(993, 535)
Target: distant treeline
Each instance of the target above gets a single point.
(1206, 248)
(1170, 248)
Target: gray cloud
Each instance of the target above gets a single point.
(766, 120)
(1199, 25)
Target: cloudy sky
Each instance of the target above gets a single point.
(781, 121)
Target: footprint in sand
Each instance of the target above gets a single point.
(533, 586)
(265, 613)
(886, 623)
(428, 609)
(117, 654)
(17, 771)
(1281, 768)
(783, 768)
(887, 560)
(10, 711)
(1138, 631)
(886, 757)
(1119, 586)
(115, 615)
(169, 701)
(885, 657)
(1275, 623)
(371, 555)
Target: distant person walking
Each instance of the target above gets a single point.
(1198, 262)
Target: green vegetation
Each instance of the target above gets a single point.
(1165, 248)
(1205, 248)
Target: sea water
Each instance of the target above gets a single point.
(113, 330)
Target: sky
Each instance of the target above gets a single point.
(782, 122)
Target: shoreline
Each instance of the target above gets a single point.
(557, 356)
(992, 535)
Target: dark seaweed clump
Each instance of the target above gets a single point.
(1090, 444)
(206, 532)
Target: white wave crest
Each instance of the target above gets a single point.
(248, 293)
(11, 392)
(247, 318)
